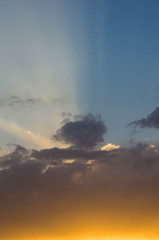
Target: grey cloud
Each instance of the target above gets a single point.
(84, 132)
(38, 186)
(15, 101)
(57, 153)
(140, 159)
(45, 173)
(19, 155)
(151, 121)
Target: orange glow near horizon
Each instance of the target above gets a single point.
(84, 238)
(84, 231)
(84, 219)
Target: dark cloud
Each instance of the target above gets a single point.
(151, 121)
(57, 153)
(84, 132)
(42, 192)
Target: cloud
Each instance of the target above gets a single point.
(110, 147)
(54, 191)
(16, 101)
(84, 132)
(151, 121)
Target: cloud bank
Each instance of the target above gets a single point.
(62, 192)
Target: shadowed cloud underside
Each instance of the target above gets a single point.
(72, 192)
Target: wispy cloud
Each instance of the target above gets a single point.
(16, 101)
(151, 121)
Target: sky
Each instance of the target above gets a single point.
(79, 119)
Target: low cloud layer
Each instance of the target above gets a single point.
(84, 132)
(151, 121)
(54, 191)
(79, 190)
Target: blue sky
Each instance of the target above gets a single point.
(77, 57)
